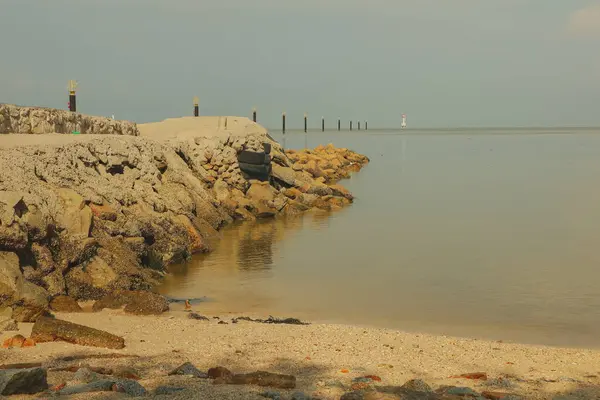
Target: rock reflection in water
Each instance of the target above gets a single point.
(244, 252)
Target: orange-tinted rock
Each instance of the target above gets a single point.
(105, 212)
(473, 375)
(15, 341)
(292, 193)
(197, 241)
(29, 343)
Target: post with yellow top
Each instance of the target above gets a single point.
(366, 126)
(339, 124)
(72, 98)
(305, 122)
(283, 122)
(358, 125)
(322, 124)
(196, 106)
(350, 125)
(254, 114)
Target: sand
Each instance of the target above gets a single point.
(192, 127)
(316, 354)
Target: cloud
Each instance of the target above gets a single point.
(585, 22)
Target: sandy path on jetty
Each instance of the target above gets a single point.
(173, 128)
(316, 354)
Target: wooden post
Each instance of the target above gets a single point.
(358, 123)
(254, 114)
(350, 125)
(339, 124)
(322, 124)
(196, 106)
(366, 126)
(305, 122)
(283, 122)
(72, 97)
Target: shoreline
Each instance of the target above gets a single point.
(324, 358)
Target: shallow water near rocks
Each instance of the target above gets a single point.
(478, 233)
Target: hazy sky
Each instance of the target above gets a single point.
(442, 62)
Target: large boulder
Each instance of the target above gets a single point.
(135, 302)
(32, 303)
(11, 279)
(77, 216)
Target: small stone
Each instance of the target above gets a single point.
(132, 388)
(15, 341)
(417, 385)
(262, 378)
(189, 369)
(167, 390)
(9, 325)
(197, 317)
(103, 385)
(269, 394)
(472, 375)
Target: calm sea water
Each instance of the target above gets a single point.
(477, 233)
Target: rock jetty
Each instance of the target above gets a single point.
(87, 216)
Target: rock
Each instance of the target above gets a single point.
(417, 385)
(167, 390)
(85, 375)
(11, 279)
(65, 304)
(50, 330)
(269, 394)
(189, 369)
(473, 375)
(132, 388)
(260, 192)
(197, 317)
(262, 378)
(135, 302)
(105, 212)
(77, 217)
(14, 341)
(23, 381)
(32, 303)
(220, 373)
(9, 325)
(103, 385)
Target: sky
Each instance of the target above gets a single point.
(445, 63)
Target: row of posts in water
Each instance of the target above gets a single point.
(73, 107)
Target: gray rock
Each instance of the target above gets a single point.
(104, 385)
(9, 325)
(23, 381)
(167, 390)
(271, 394)
(131, 387)
(188, 369)
(461, 391)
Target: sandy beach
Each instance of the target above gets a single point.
(324, 358)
